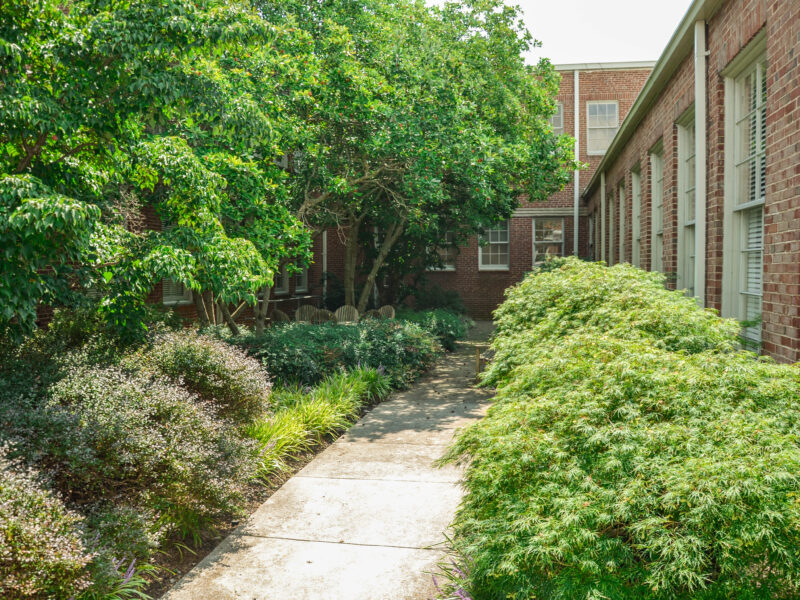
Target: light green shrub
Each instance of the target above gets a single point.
(622, 301)
(446, 325)
(615, 465)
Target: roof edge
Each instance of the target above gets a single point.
(679, 45)
(606, 66)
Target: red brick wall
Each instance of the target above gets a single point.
(733, 26)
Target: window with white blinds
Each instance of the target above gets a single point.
(746, 201)
(174, 293)
(611, 229)
(493, 253)
(657, 219)
(557, 120)
(686, 206)
(636, 217)
(622, 232)
(548, 239)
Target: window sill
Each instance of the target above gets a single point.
(492, 269)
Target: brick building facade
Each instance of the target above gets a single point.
(708, 191)
(605, 94)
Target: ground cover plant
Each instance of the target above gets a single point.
(635, 454)
(305, 353)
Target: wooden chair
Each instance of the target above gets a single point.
(322, 316)
(278, 316)
(371, 314)
(305, 314)
(346, 314)
(387, 311)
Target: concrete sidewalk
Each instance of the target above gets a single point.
(360, 520)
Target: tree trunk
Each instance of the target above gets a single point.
(350, 257)
(394, 233)
(261, 311)
(226, 315)
(208, 305)
(202, 314)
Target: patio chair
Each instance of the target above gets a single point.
(305, 314)
(387, 311)
(346, 314)
(278, 316)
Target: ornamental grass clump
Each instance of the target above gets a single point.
(622, 301)
(614, 466)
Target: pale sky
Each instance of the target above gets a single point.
(579, 31)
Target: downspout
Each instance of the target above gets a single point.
(324, 265)
(700, 99)
(577, 176)
(603, 217)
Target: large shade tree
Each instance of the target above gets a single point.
(426, 120)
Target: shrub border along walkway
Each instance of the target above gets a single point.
(362, 520)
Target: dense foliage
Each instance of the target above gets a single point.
(305, 354)
(237, 386)
(446, 325)
(636, 454)
(244, 127)
(41, 551)
(140, 455)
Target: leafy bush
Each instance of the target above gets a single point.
(446, 325)
(431, 297)
(305, 354)
(41, 551)
(303, 417)
(216, 371)
(149, 439)
(622, 301)
(613, 466)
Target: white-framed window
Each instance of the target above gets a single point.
(281, 283)
(174, 293)
(657, 217)
(447, 253)
(745, 189)
(622, 224)
(686, 204)
(611, 229)
(548, 239)
(636, 216)
(557, 120)
(602, 123)
(301, 280)
(494, 251)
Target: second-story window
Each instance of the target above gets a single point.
(602, 123)
(493, 254)
(557, 120)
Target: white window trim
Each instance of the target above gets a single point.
(281, 291)
(533, 237)
(733, 217)
(590, 127)
(611, 228)
(636, 216)
(174, 300)
(656, 193)
(622, 208)
(297, 279)
(507, 266)
(686, 151)
(558, 130)
(445, 268)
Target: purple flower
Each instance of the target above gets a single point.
(129, 573)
